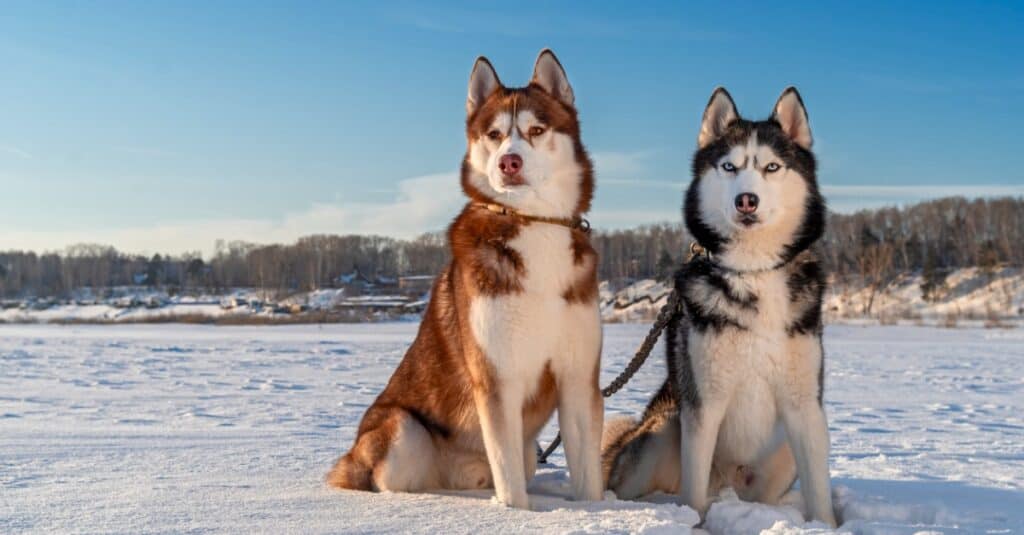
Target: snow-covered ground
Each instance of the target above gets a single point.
(971, 293)
(968, 296)
(145, 305)
(184, 428)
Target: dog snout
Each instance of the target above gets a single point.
(510, 164)
(746, 203)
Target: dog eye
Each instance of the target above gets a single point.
(494, 134)
(728, 166)
(771, 168)
(536, 130)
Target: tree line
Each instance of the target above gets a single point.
(870, 246)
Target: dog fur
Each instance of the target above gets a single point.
(512, 330)
(742, 405)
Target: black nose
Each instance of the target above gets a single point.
(746, 203)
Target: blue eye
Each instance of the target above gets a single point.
(772, 167)
(728, 166)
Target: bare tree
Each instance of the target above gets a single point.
(870, 246)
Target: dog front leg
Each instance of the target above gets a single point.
(807, 430)
(699, 434)
(501, 421)
(580, 419)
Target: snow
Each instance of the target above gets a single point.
(637, 302)
(186, 428)
(968, 296)
(137, 305)
(123, 309)
(968, 292)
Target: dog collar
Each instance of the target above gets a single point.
(697, 250)
(576, 223)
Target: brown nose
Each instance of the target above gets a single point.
(510, 164)
(746, 203)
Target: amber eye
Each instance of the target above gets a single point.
(494, 134)
(771, 168)
(536, 131)
(728, 166)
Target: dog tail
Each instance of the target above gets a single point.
(612, 442)
(614, 429)
(349, 473)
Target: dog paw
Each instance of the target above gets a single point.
(520, 503)
(588, 495)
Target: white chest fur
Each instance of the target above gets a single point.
(758, 343)
(742, 370)
(546, 251)
(765, 327)
(521, 333)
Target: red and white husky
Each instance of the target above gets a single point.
(512, 330)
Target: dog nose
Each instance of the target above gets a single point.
(510, 164)
(746, 203)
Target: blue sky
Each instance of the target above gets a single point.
(158, 126)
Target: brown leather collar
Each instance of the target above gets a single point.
(575, 223)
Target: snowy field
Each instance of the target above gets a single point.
(183, 428)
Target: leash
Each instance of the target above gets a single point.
(576, 223)
(668, 311)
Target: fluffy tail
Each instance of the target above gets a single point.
(643, 457)
(614, 429)
(612, 443)
(348, 473)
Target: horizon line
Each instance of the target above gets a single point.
(210, 252)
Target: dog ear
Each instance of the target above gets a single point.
(482, 82)
(790, 113)
(549, 74)
(721, 111)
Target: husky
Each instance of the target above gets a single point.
(512, 330)
(742, 404)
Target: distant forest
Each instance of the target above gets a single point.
(870, 246)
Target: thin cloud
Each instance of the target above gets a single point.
(615, 165)
(11, 149)
(639, 182)
(144, 151)
(628, 218)
(428, 203)
(930, 190)
(850, 198)
(422, 204)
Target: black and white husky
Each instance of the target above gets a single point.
(742, 405)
